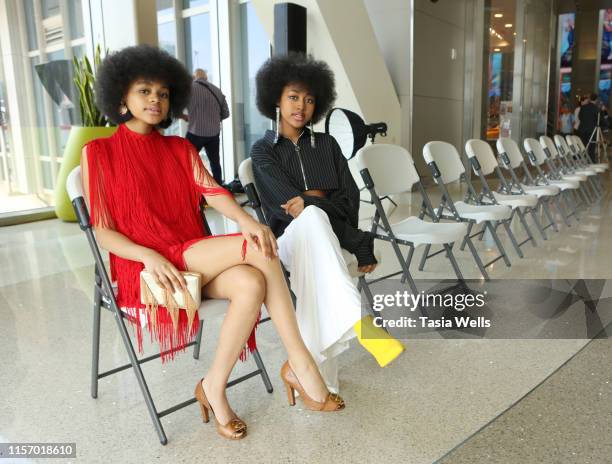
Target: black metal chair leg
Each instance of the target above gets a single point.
(95, 349)
(198, 344)
(262, 369)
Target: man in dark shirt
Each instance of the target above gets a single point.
(207, 108)
(588, 116)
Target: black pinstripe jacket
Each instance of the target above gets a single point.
(284, 170)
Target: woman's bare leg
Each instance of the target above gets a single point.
(213, 256)
(245, 287)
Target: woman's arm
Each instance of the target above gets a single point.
(118, 244)
(258, 236)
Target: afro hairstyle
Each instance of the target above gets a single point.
(279, 71)
(120, 69)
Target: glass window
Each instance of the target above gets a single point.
(166, 36)
(255, 50)
(28, 5)
(165, 7)
(500, 73)
(75, 12)
(39, 109)
(194, 3)
(5, 144)
(63, 109)
(47, 176)
(50, 8)
(197, 44)
(78, 51)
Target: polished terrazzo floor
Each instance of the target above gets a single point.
(501, 401)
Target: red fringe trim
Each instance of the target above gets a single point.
(171, 340)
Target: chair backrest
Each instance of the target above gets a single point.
(74, 184)
(391, 168)
(547, 143)
(483, 152)
(507, 146)
(579, 143)
(245, 172)
(247, 179)
(533, 146)
(446, 158)
(561, 145)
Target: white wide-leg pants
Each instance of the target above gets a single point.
(327, 301)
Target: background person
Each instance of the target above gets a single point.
(206, 109)
(588, 116)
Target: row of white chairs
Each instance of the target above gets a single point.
(562, 177)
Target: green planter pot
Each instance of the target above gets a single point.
(78, 137)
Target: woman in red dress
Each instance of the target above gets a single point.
(143, 190)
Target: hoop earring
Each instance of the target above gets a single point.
(124, 114)
(312, 135)
(277, 124)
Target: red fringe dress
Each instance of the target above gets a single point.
(148, 187)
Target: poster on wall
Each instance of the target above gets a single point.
(565, 103)
(605, 68)
(606, 37)
(566, 23)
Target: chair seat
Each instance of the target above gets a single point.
(573, 177)
(541, 190)
(515, 201)
(480, 213)
(351, 262)
(597, 166)
(585, 172)
(565, 184)
(419, 232)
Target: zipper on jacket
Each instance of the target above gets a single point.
(299, 155)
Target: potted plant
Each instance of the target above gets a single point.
(94, 125)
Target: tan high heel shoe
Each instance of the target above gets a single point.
(235, 429)
(333, 402)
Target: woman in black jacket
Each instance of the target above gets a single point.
(311, 202)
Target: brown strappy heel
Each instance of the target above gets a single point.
(333, 402)
(235, 429)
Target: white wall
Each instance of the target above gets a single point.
(392, 24)
(438, 76)
(340, 33)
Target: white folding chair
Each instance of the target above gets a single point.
(446, 167)
(105, 296)
(512, 159)
(537, 158)
(387, 170)
(562, 171)
(565, 155)
(483, 163)
(580, 151)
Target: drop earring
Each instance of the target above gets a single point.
(124, 113)
(312, 135)
(277, 124)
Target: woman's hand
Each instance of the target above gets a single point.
(294, 207)
(259, 237)
(166, 275)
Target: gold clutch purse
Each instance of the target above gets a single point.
(152, 295)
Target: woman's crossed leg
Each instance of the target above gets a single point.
(247, 284)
